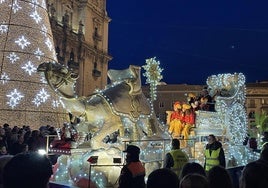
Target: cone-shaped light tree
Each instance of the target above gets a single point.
(25, 42)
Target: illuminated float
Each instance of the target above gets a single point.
(112, 118)
(227, 121)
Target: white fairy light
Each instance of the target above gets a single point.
(153, 75)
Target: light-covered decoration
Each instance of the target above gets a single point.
(113, 117)
(229, 121)
(26, 41)
(153, 75)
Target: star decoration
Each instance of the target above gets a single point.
(44, 30)
(13, 57)
(3, 28)
(15, 7)
(38, 53)
(43, 80)
(22, 42)
(35, 2)
(4, 78)
(15, 97)
(49, 44)
(43, 95)
(29, 67)
(55, 103)
(36, 16)
(37, 100)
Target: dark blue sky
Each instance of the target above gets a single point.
(191, 39)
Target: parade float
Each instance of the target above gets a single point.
(227, 120)
(105, 122)
(108, 120)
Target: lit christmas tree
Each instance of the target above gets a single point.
(26, 41)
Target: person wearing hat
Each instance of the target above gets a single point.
(176, 158)
(133, 172)
(175, 121)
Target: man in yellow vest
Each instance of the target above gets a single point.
(176, 158)
(214, 154)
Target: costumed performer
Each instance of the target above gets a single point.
(175, 124)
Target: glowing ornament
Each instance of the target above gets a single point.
(153, 75)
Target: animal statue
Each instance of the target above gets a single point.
(120, 111)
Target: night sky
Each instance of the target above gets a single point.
(191, 39)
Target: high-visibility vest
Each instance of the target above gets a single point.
(179, 159)
(212, 159)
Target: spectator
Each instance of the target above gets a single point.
(133, 173)
(194, 181)
(27, 170)
(191, 168)
(219, 177)
(3, 161)
(163, 178)
(254, 175)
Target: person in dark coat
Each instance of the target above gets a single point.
(133, 173)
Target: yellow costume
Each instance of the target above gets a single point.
(174, 119)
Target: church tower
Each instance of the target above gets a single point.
(80, 31)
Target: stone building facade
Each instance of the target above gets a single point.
(80, 30)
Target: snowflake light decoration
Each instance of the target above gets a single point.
(4, 78)
(153, 75)
(13, 57)
(56, 103)
(38, 53)
(15, 98)
(37, 100)
(3, 28)
(29, 68)
(49, 44)
(43, 95)
(15, 6)
(36, 16)
(22, 42)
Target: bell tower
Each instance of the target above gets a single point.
(80, 31)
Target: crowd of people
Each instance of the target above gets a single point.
(14, 140)
(179, 172)
(19, 161)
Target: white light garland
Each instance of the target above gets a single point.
(153, 75)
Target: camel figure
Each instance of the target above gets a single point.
(120, 111)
